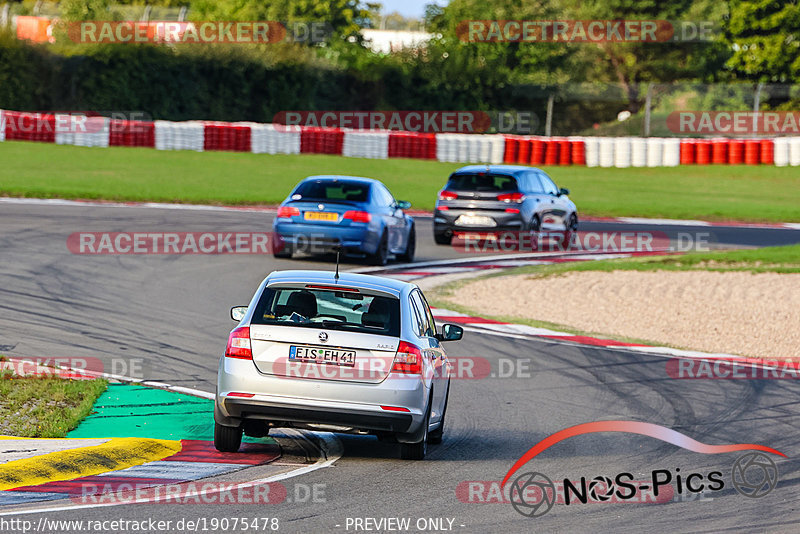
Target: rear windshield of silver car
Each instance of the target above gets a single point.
(332, 190)
(482, 182)
(348, 310)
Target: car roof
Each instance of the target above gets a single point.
(342, 177)
(365, 281)
(507, 169)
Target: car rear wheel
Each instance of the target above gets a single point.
(227, 438)
(381, 256)
(443, 238)
(416, 451)
(408, 255)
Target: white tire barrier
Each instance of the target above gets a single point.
(794, 151)
(638, 152)
(606, 151)
(470, 148)
(365, 144)
(622, 152)
(592, 150)
(265, 139)
(2, 125)
(655, 151)
(672, 152)
(781, 151)
(82, 131)
(180, 135)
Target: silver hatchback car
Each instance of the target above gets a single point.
(345, 353)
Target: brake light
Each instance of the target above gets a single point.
(408, 359)
(512, 210)
(332, 288)
(240, 394)
(358, 216)
(447, 195)
(442, 208)
(511, 197)
(288, 211)
(239, 344)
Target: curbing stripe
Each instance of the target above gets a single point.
(118, 453)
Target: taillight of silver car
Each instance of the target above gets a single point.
(408, 359)
(239, 344)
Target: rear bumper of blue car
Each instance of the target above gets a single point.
(321, 238)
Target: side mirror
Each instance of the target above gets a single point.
(403, 204)
(238, 313)
(451, 332)
(563, 191)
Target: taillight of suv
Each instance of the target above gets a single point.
(447, 195)
(408, 359)
(511, 197)
(239, 344)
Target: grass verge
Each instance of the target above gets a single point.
(44, 407)
(721, 192)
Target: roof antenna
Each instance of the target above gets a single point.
(338, 251)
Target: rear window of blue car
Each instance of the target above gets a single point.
(482, 182)
(332, 190)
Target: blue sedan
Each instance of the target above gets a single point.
(360, 215)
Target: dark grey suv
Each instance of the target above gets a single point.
(496, 198)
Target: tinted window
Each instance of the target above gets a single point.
(334, 310)
(332, 190)
(532, 183)
(549, 186)
(482, 182)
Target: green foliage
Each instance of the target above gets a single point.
(764, 37)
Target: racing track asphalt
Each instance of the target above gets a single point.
(172, 312)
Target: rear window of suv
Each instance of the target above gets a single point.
(334, 310)
(482, 182)
(332, 190)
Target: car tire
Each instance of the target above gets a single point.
(417, 451)
(572, 226)
(227, 438)
(436, 436)
(381, 256)
(443, 239)
(408, 255)
(283, 254)
(536, 224)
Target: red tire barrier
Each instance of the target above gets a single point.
(227, 136)
(767, 152)
(688, 152)
(131, 133)
(22, 126)
(538, 147)
(511, 149)
(564, 154)
(551, 152)
(719, 151)
(524, 154)
(578, 152)
(703, 152)
(752, 152)
(736, 152)
(410, 145)
(321, 140)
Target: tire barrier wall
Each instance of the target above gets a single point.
(258, 138)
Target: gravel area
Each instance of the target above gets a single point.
(751, 314)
